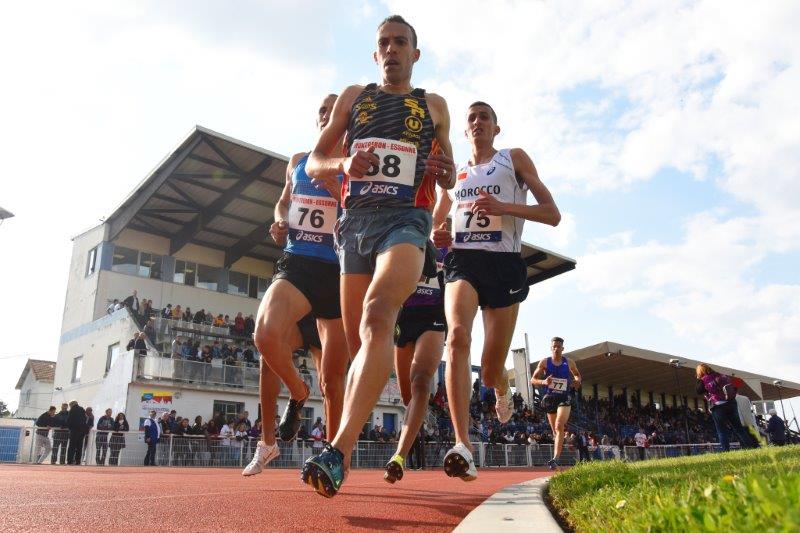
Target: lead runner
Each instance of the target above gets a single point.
(397, 149)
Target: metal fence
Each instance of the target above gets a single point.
(662, 451)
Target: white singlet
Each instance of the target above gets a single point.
(487, 232)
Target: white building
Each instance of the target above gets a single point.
(194, 234)
(35, 387)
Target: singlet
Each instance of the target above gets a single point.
(312, 215)
(401, 129)
(488, 232)
(429, 291)
(562, 377)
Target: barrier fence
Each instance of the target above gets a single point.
(49, 446)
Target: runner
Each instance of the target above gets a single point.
(557, 374)
(306, 281)
(398, 146)
(485, 268)
(419, 341)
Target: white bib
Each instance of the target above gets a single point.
(394, 174)
(313, 214)
(559, 385)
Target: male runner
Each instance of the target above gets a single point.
(395, 136)
(557, 374)
(485, 268)
(419, 341)
(306, 281)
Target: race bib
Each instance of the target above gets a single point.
(472, 227)
(393, 176)
(558, 385)
(311, 219)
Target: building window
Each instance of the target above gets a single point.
(125, 261)
(111, 356)
(28, 397)
(185, 273)
(77, 367)
(207, 277)
(237, 283)
(308, 418)
(228, 409)
(150, 265)
(258, 287)
(91, 261)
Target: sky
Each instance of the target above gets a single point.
(667, 133)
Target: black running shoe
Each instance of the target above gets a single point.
(394, 469)
(291, 421)
(324, 472)
(552, 464)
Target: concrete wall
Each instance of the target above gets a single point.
(79, 302)
(41, 395)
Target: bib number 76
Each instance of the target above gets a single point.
(315, 217)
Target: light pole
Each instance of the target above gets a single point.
(675, 364)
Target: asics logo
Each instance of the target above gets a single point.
(307, 237)
(472, 237)
(425, 291)
(491, 171)
(378, 188)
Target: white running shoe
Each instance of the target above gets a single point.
(264, 454)
(504, 406)
(459, 463)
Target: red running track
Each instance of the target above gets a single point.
(67, 498)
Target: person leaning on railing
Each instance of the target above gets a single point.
(43, 424)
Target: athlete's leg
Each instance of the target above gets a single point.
(269, 386)
(391, 285)
(353, 293)
(427, 355)
(460, 305)
(498, 328)
(280, 310)
(559, 425)
(332, 370)
(403, 356)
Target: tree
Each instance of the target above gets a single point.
(4, 412)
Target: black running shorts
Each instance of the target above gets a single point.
(309, 332)
(414, 321)
(317, 280)
(551, 402)
(499, 278)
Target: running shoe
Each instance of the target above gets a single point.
(504, 406)
(291, 420)
(552, 464)
(264, 454)
(394, 469)
(324, 472)
(459, 463)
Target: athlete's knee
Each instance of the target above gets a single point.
(459, 338)
(379, 315)
(420, 384)
(267, 337)
(331, 383)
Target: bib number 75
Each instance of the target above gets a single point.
(481, 220)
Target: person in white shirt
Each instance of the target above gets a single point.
(317, 434)
(225, 435)
(748, 418)
(641, 442)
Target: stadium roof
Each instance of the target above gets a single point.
(219, 192)
(213, 191)
(637, 368)
(42, 371)
(4, 214)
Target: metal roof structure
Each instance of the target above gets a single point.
(610, 363)
(213, 191)
(4, 214)
(220, 192)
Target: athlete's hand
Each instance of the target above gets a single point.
(548, 381)
(576, 382)
(358, 164)
(329, 183)
(441, 167)
(486, 204)
(441, 237)
(279, 231)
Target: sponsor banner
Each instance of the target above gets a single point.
(158, 401)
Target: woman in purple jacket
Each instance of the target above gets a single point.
(721, 396)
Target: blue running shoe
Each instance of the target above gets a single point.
(324, 472)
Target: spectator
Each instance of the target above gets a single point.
(215, 350)
(238, 325)
(249, 326)
(60, 435)
(199, 317)
(318, 435)
(152, 434)
(132, 302)
(198, 428)
(112, 306)
(187, 316)
(177, 344)
(177, 313)
(89, 427)
(117, 442)
(721, 394)
(104, 427)
(209, 319)
(776, 429)
(219, 321)
(167, 311)
(150, 330)
(147, 309)
(244, 418)
(181, 445)
(225, 434)
(76, 422)
(43, 424)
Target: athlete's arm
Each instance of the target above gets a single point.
(576, 375)
(539, 373)
(279, 230)
(545, 210)
(441, 237)
(441, 165)
(324, 165)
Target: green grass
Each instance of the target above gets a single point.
(753, 490)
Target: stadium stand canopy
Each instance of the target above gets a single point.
(219, 192)
(4, 214)
(212, 191)
(646, 370)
